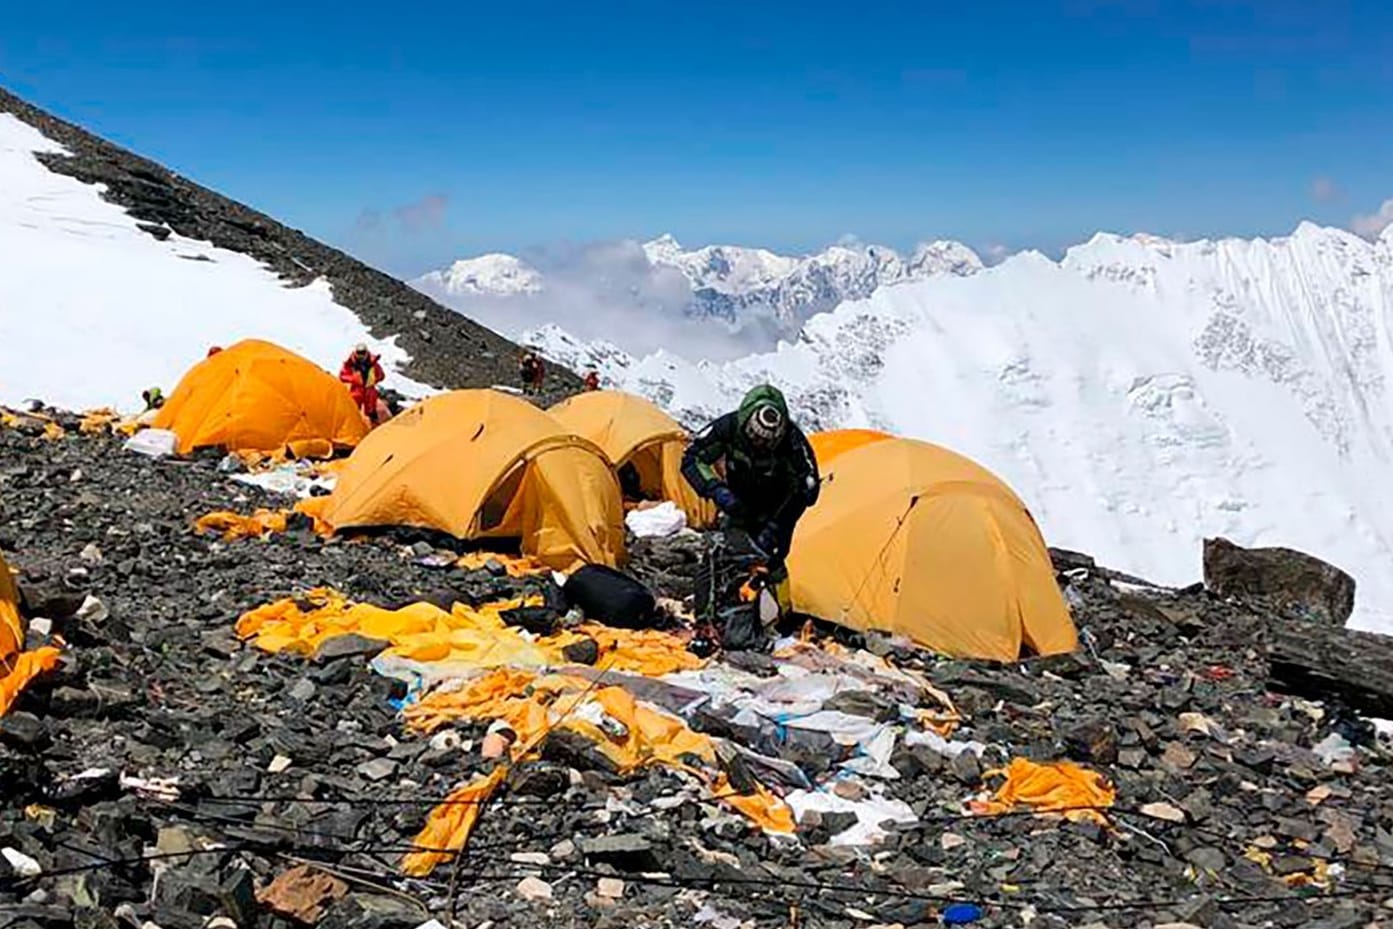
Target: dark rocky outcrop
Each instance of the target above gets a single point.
(447, 349)
(1293, 582)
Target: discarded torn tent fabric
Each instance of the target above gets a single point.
(448, 826)
(233, 526)
(17, 666)
(461, 641)
(1057, 787)
(631, 734)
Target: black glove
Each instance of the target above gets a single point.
(725, 501)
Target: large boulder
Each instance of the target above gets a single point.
(1292, 581)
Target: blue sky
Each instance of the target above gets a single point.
(411, 133)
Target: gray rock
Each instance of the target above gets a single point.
(1293, 581)
(379, 769)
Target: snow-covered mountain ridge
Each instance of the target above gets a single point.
(733, 284)
(1140, 393)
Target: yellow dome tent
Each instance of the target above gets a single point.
(911, 538)
(259, 397)
(480, 464)
(632, 431)
(828, 445)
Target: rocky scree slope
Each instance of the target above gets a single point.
(1228, 793)
(447, 350)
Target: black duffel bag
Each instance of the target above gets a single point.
(610, 597)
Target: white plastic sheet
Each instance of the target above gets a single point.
(656, 522)
(153, 443)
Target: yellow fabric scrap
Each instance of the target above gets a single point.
(630, 733)
(449, 825)
(17, 666)
(234, 526)
(1061, 787)
(465, 636)
(516, 566)
(96, 422)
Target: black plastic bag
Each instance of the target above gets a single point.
(611, 597)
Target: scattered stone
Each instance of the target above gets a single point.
(278, 764)
(1164, 811)
(624, 851)
(302, 893)
(349, 646)
(611, 887)
(1178, 757)
(379, 769)
(533, 889)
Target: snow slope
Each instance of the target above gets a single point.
(93, 310)
(1141, 394)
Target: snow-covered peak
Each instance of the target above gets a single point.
(493, 274)
(663, 250)
(943, 257)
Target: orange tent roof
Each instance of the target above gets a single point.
(911, 538)
(256, 396)
(484, 464)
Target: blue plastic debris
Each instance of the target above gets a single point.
(960, 914)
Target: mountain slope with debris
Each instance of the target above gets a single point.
(170, 773)
(120, 273)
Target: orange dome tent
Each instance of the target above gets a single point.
(256, 396)
(834, 442)
(633, 432)
(480, 464)
(912, 538)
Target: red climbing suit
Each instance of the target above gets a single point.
(362, 373)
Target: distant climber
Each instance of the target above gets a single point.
(362, 372)
(153, 397)
(531, 372)
(592, 380)
(756, 465)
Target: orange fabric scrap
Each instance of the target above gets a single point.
(448, 826)
(631, 734)
(17, 667)
(1060, 787)
(515, 566)
(234, 526)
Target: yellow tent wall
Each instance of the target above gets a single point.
(632, 430)
(828, 445)
(11, 631)
(911, 538)
(483, 464)
(256, 396)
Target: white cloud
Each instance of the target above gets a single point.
(1369, 225)
(1324, 190)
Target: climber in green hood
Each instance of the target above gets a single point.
(756, 465)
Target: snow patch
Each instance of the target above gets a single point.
(93, 310)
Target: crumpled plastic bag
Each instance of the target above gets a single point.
(1060, 787)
